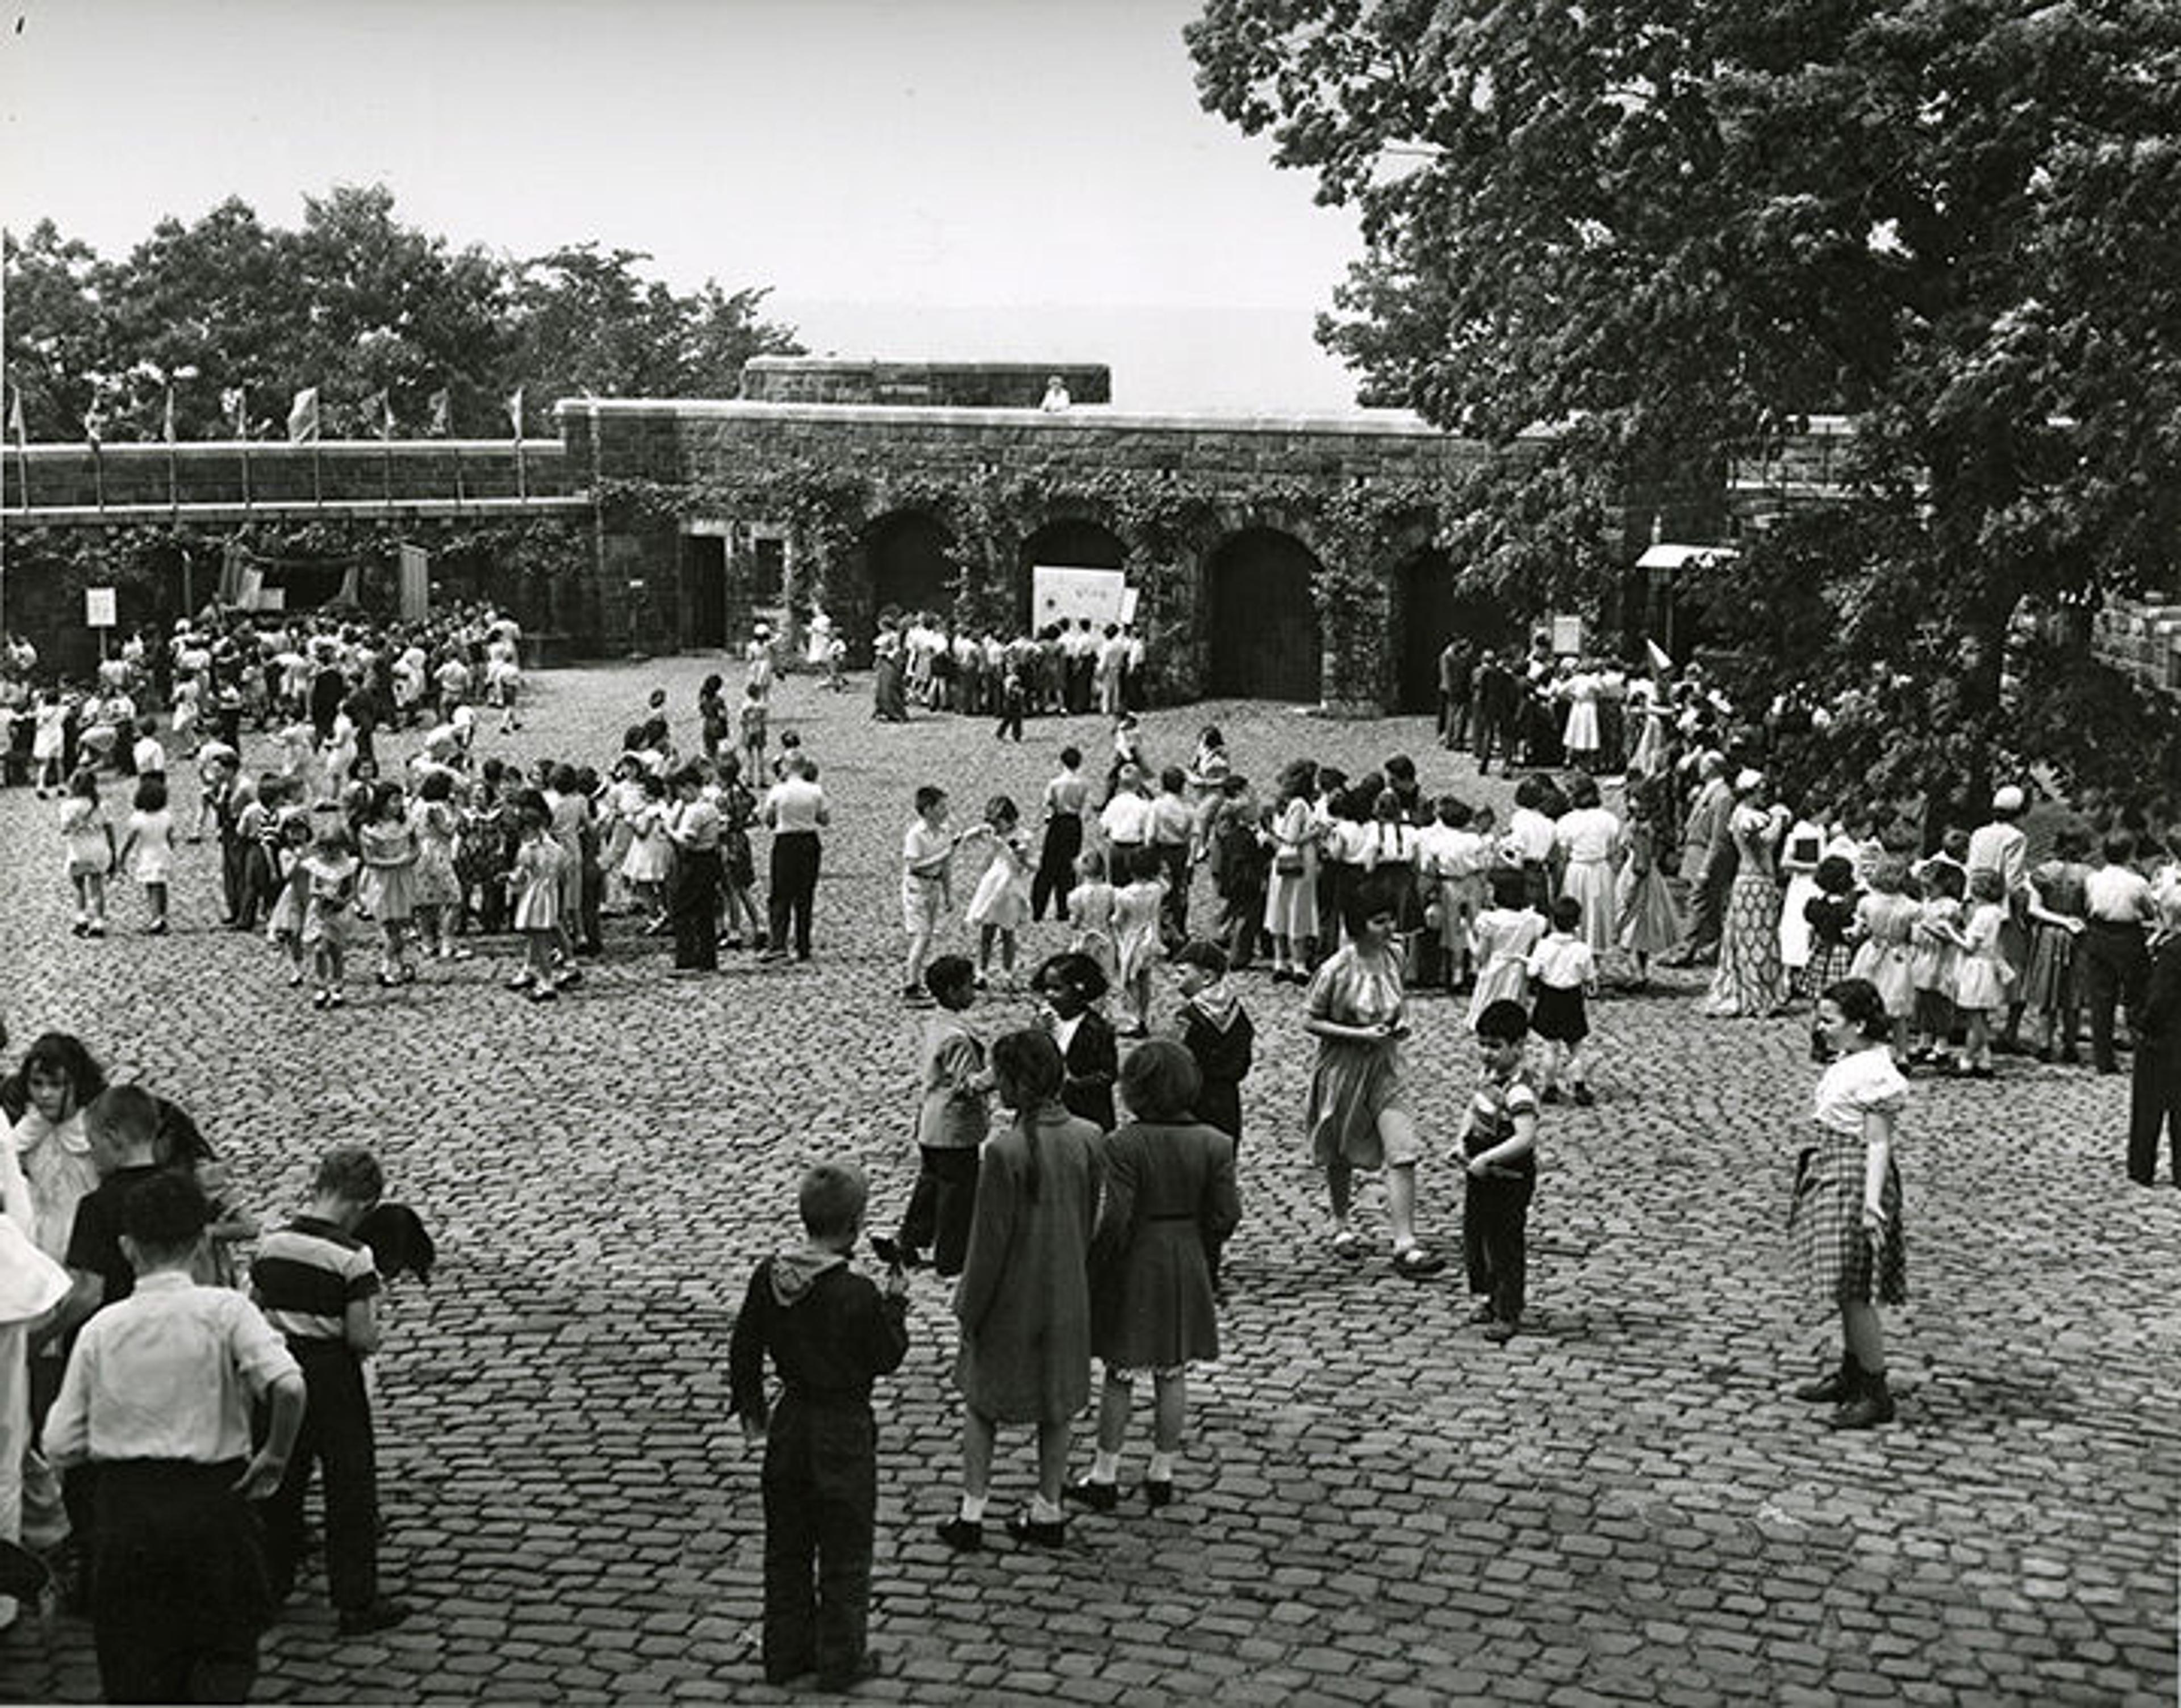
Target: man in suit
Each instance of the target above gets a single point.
(1455, 674)
(1707, 863)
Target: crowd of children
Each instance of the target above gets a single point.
(155, 1394)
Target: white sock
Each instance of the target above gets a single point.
(1161, 1468)
(1105, 1467)
(1044, 1512)
(973, 1508)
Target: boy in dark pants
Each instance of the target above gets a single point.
(1500, 1149)
(317, 1285)
(156, 1397)
(830, 1333)
(2155, 1103)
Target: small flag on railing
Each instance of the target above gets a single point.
(379, 411)
(303, 417)
(1661, 661)
(443, 414)
(515, 413)
(167, 418)
(94, 425)
(15, 427)
(234, 404)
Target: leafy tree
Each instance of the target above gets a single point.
(590, 322)
(1667, 227)
(358, 304)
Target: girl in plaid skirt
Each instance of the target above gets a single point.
(1844, 1226)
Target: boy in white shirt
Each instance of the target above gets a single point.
(1563, 971)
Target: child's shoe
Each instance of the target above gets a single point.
(1582, 1095)
(962, 1535)
(1502, 1331)
(319, 998)
(1551, 1094)
(521, 981)
(1094, 1496)
(545, 992)
(1158, 1492)
(334, 998)
(296, 979)
(95, 928)
(380, 1614)
(1039, 1533)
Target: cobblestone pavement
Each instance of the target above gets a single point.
(1378, 1506)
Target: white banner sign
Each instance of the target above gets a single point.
(98, 610)
(1062, 594)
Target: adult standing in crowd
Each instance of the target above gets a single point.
(795, 809)
(2002, 846)
(2156, 1101)
(1747, 983)
(2111, 947)
(1708, 859)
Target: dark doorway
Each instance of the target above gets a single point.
(705, 588)
(1072, 542)
(1263, 618)
(1433, 613)
(910, 569)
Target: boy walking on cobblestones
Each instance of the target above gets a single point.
(1500, 1149)
(318, 1286)
(830, 1333)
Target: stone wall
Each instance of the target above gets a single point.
(946, 385)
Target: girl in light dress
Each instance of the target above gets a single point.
(1798, 863)
(87, 845)
(1934, 953)
(535, 882)
(147, 849)
(1588, 840)
(1647, 922)
(1885, 921)
(738, 860)
(1291, 895)
(49, 742)
(388, 847)
(1982, 979)
(288, 886)
(1136, 936)
(1000, 905)
(1091, 911)
(329, 876)
(1454, 859)
(1500, 942)
(437, 895)
(650, 860)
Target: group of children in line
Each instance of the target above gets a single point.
(172, 1398)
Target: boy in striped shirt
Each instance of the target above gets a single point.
(319, 1287)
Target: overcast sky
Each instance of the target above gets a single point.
(1023, 178)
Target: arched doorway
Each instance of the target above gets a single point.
(910, 566)
(1070, 542)
(1433, 611)
(1263, 618)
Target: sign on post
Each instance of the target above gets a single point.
(98, 609)
(1567, 636)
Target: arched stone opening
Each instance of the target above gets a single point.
(1262, 617)
(1433, 610)
(911, 567)
(1065, 542)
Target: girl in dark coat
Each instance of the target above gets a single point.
(1089, 1058)
(1169, 1192)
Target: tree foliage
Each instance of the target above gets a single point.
(359, 304)
(1668, 228)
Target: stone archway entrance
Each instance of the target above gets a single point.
(1071, 542)
(1432, 612)
(1262, 617)
(910, 567)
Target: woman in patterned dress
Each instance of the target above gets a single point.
(1747, 981)
(1845, 1226)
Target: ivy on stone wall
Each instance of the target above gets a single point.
(1168, 522)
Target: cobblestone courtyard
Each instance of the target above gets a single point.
(1377, 1506)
